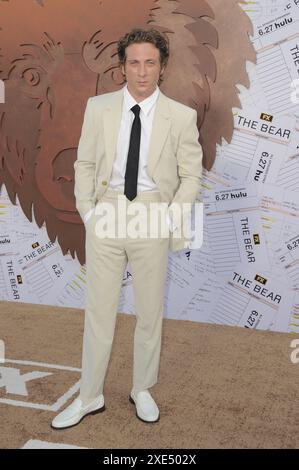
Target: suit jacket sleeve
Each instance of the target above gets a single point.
(189, 161)
(84, 166)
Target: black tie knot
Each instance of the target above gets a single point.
(136, 109)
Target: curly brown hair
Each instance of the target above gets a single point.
(138, 35)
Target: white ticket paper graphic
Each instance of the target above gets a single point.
(259, 148)
(279, 212)
(235, 234)
(288, 257)
(253, 300)
(43, 265)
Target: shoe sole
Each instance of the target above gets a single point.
(143, 420)
(95, 412)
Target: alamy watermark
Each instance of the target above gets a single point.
(146, 220)
(2, 92)
(2, 351)
(295, 354)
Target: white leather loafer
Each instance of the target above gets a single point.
(146, 408)
(75, 412)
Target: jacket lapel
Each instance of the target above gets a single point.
(160, 129)
(112, 120)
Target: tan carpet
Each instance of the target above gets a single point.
(219, 386)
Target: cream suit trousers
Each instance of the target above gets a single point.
(106, 260)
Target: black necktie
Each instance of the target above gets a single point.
(131, 175)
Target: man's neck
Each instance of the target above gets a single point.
(139, 98)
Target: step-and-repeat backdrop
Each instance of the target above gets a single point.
(247, 271)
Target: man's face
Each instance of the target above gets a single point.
(142, 69)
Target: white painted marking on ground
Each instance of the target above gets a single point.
(41, 406)
(36, 444)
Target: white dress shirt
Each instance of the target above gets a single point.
(148, 105)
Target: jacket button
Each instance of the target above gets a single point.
(104, 183)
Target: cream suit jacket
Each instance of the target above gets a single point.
(174, 159)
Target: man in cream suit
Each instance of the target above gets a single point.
(136, 146)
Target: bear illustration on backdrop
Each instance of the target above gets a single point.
(55, 54)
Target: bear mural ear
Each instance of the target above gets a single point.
(98, 56)
(103, 60)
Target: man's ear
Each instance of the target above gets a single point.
(122, 68)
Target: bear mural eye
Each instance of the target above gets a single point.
(35, 69)
(31, 76)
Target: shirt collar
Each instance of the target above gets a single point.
(145, 105)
